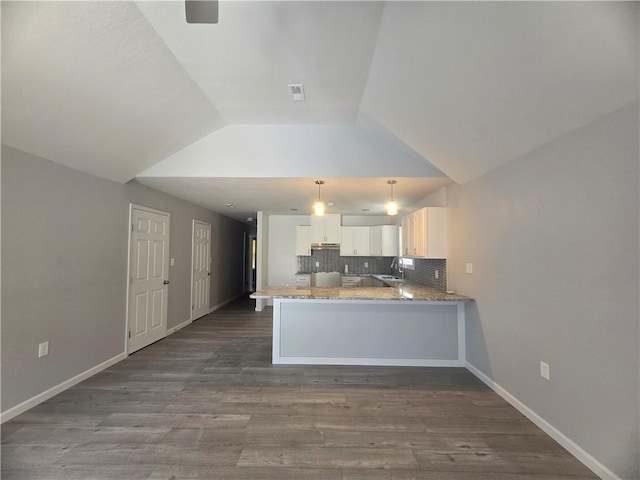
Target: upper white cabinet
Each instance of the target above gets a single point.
(424, 233)
(303, 240)
(325, 229)
(355, 242)
(385, 241)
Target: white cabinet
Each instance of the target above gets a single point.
(420, 233)
(407, 235)
(355, 242)
(351, 281)
(303, 240)
(325, 229)
(385, 241)
(424, 233)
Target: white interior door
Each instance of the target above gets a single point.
(200, 269)
(148, 277)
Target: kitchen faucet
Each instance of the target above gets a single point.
(396, 263)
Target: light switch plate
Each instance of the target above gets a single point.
(43, 349)
(469, 268)
(544, 370)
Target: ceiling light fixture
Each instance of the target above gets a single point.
(392, 206)
(318, 207)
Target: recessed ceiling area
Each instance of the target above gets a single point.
(429, 91)
(281, 195)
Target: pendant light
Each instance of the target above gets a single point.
(318, 207)
(392, 206)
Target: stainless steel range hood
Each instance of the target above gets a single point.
(325, 246)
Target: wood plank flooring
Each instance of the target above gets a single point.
(206, 403)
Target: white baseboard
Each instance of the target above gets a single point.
(380, 362)
(588, 460)
(226, 302)
(61, 387)
(180, 326)
(212, 309)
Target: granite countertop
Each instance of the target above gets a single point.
(346, 274)
(400, 292)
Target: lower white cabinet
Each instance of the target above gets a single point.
(351, 281)
(303, 280)
(355, 242)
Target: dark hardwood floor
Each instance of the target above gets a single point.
(206, 403)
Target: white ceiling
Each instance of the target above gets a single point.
(91, 85)
(244, 63)
(295, 196)
(406, 89)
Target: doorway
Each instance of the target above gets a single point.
(200, 269)
(148, 277)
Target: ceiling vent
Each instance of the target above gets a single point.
(201, 11)
(297, 90)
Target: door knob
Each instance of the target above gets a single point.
(166, 282)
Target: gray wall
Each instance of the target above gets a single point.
(227, 241)
(553, 238)
(64, 268)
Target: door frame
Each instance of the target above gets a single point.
(248, 281)
(135, 206)
(193, 235)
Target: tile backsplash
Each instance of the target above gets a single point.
(331, 261)
(425, 270)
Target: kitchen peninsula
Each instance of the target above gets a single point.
(405, 324)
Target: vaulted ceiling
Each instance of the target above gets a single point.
(429, 92)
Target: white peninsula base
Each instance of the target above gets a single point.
(369, 332)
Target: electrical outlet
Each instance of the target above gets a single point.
(43, 349)
(366, 264)
(437, 274)
(469, 267)
(544, 370)
(173, 262)
(317, 264)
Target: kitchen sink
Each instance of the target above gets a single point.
(389, 279)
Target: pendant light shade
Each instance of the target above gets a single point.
(318, 207)
(392, 206)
